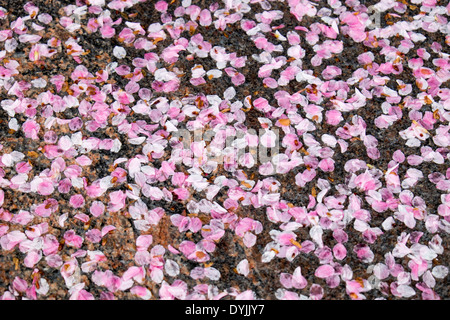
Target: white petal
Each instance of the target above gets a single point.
(440, 272)
(119, 52)
(406, 291)
(138, 140)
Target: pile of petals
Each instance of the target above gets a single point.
(130, 103)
